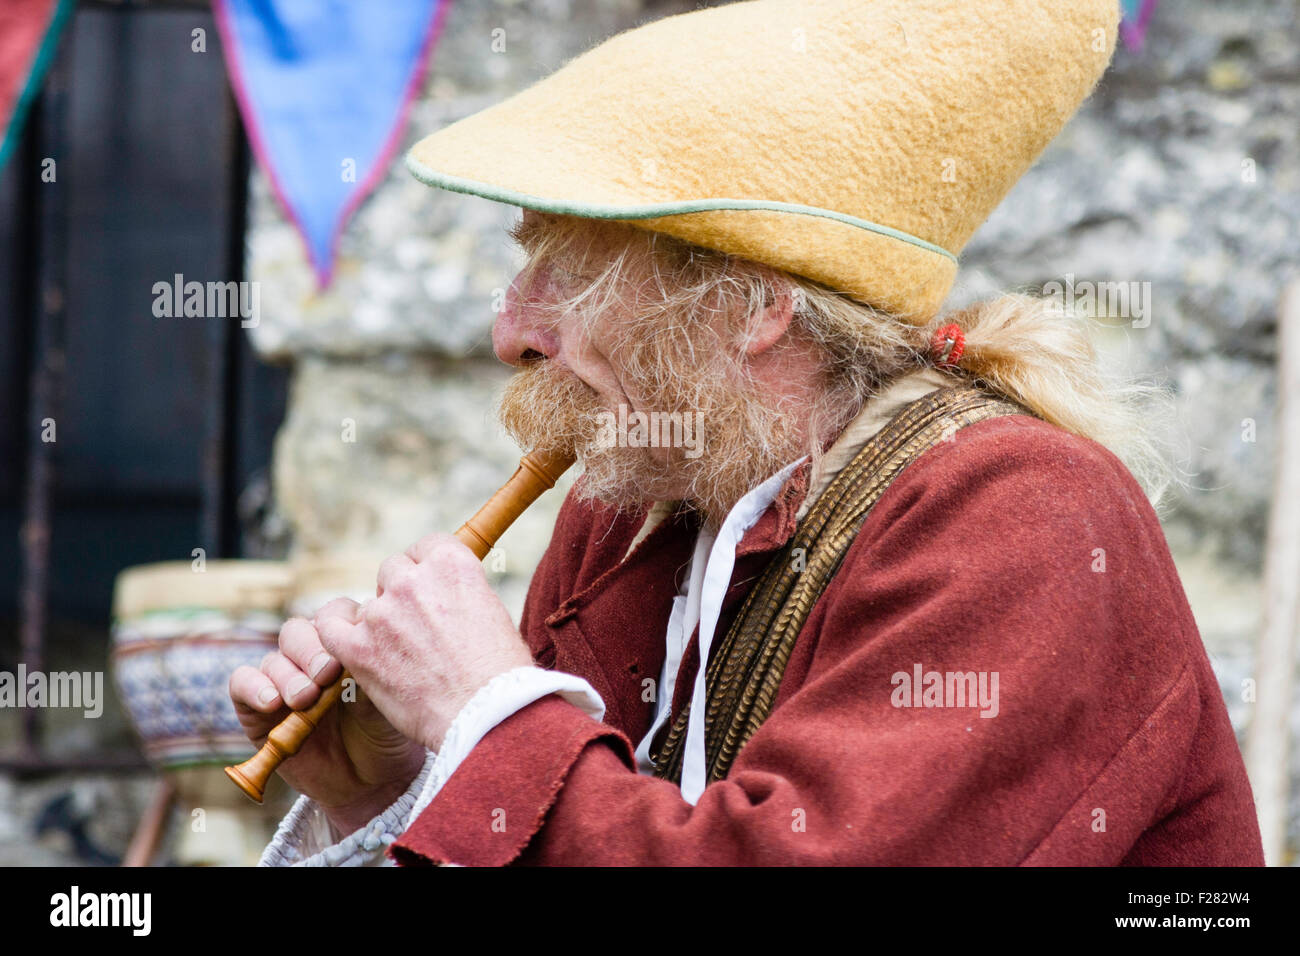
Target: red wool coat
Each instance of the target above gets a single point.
(1016, 548)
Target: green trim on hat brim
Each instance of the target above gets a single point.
(651, 210)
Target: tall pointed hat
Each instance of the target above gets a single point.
(858, 143)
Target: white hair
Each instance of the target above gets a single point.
(1016, 345)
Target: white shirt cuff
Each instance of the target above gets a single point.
(305, 837)
(501, 697)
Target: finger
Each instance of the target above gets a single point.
(253, 692)
(296, 689)
(430, 545)
(337, 628)
(393, 570)
(301, 644)
(343, 609)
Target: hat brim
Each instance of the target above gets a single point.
(862, 159)
(650, 210)
(910, 277)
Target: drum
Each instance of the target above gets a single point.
(178, 633)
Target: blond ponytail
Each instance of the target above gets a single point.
(1016, 345)
(1023, 347)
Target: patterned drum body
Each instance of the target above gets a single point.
(172, 664)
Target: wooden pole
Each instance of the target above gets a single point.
(1268, 745)
(153, 826)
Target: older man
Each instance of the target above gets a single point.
(883, 589)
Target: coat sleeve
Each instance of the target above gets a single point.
(1016, 554)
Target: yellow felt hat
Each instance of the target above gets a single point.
(856, 143)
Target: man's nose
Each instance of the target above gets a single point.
(518, 336)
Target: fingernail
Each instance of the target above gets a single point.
(299, 685)
(266, 695)
(318, 663)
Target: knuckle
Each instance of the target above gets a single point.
(335, 641)
(404, 578)
(339, 607)
(329, 640)
(428, 543)
(460, 563)
(460, 555)
(380, 618)
(295, 627)
(429, 546)
(300, 642)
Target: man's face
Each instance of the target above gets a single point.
(528, 328)
(601, 325)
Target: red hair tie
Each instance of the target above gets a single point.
(947, 345)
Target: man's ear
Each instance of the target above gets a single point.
(772, 321)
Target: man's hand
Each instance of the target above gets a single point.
(354, 764)
(434, 634)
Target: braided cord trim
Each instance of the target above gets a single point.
(745, 673)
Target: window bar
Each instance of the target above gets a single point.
(47, 225)
(50, 360)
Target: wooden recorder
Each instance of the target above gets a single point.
(536, 473)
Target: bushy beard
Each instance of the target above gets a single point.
(743, 438)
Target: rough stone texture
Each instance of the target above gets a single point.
(1150, 183)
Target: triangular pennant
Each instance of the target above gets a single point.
(323, 87)
(1133, 26)
(29, 36)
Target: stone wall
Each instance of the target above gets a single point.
(1183, 170)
